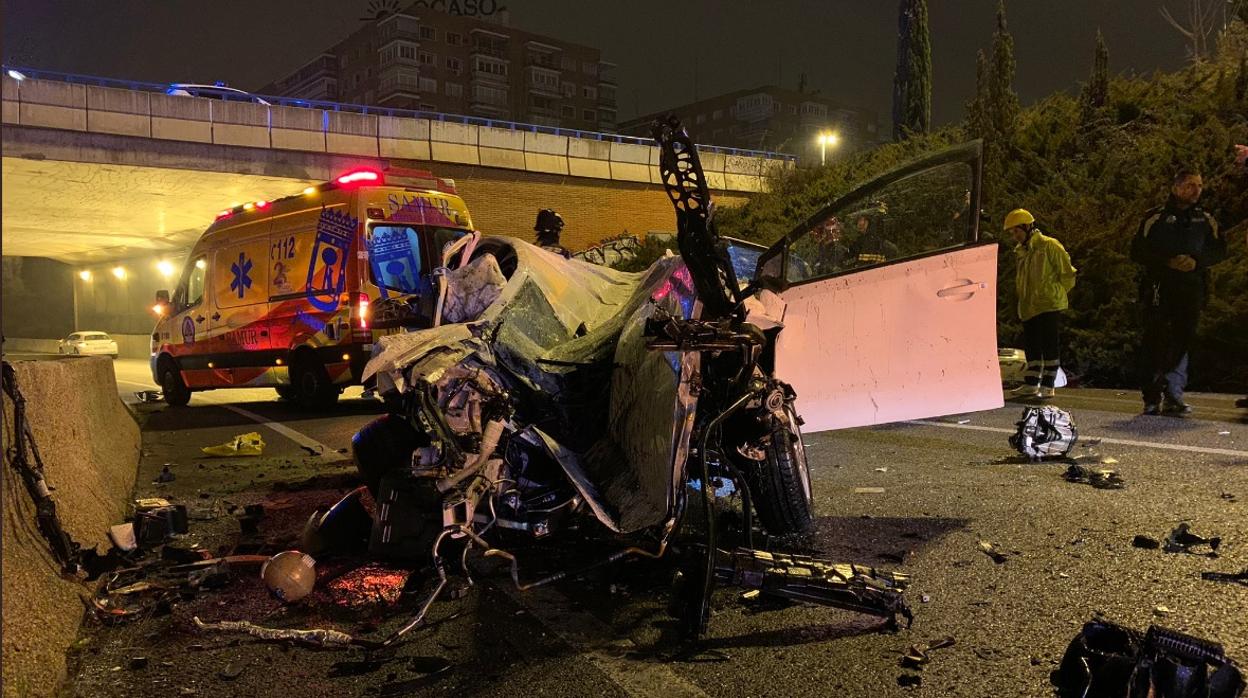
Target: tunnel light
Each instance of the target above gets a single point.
(84, 275)
(200, 264)
(165, 267)
(119, 272)
(308, 191)
(16, 75)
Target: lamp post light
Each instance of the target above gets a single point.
(826, 139)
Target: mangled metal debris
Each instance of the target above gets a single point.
(319, 637)
(1240, 577)
(1044, 432)
(1182, 540)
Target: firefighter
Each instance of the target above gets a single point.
(1044, 279)
(1175, 246)
(548, 227)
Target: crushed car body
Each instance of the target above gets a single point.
(551, 392)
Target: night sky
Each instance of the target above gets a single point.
(847, 49)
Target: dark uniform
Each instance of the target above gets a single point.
(1171, 300)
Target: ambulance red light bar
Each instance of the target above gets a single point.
(358, 178)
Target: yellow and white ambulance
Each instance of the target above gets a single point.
(277, 293)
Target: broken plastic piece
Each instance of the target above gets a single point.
(166, 475)
(149, 395)
(1107, 659)
(1145, 542)
(1182, 540)
(990, 549)
(1228, 577)
(122, 536)
(249, 444)
(1099, 478)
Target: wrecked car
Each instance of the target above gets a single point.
(558, 400)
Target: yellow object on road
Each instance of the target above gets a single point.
(249, 444)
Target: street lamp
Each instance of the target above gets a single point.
(826, 139)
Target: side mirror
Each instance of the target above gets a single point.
(162, 297)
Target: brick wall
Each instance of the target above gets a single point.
(506, 202)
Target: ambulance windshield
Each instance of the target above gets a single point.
(394, 253)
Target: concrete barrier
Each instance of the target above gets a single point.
(90, 448)
(72, 106)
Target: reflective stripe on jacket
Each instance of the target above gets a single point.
(1045, 276)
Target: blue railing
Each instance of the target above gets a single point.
(38, 74)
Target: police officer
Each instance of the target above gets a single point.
(1175, 246)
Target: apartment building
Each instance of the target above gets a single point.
(769, 118)
(425, 59)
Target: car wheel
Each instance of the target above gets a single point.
(382, 445)
(175, 391)
(313, 389)
(780, 485)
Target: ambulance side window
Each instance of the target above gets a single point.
(193, 292)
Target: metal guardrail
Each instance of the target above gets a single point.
(38, 74)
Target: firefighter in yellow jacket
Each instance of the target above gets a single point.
(1045, 277)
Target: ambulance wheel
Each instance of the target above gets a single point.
(312, 387)
(175, 391)
(285, 392)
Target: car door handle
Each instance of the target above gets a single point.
(965, 288)
(216, 316)
(199, 319)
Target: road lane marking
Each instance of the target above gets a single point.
(1136, 403)
(1103, 439)
(299, 438)
(583, 632)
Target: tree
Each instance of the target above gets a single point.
(1200, 20)
(1004, 101)
(912, 83)
(1096, 92)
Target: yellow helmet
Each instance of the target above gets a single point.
(1019, 216)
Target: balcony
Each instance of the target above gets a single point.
(606, 73)
(492, 50)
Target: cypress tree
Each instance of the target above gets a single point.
(912, 83)
(978, 119)
(1241, 80)
(1003, 101)
(1096, 92)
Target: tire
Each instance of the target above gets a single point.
(312, 387)
(382, 445)
(285, 392)
(780, 486)
(175, 391)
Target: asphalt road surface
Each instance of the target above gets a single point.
(947, 484)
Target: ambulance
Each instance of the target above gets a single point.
(278, 293)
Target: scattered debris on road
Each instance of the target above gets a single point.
(1110, 659)
(320, 637)
(1100, 478)
(991, 550)
(1044, 432)
(918, 655)
(1145, 542)
(868, 490)
(249, 444)
(1228, 577)
(149, 396)
(290, 575)
(1162, 611)
(1182, 540)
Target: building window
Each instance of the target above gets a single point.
(356, 82)
(718, 114)
(568, 111)
(543, 79)
(589, 92)
(454, 89)
(407, 51)
(792, 110)
(428, 33)
(567, 62)
(428, 85)
(489, 95)
(454, 65)
(484, 65)
(701, 118)
(540, 102)
(589, 68)
(342, 62)
(426, 58)
(569, 89)
(589, 115)
(454, 39)
(369, 97)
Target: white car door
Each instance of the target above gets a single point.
(890, 300)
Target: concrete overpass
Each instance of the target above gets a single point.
(99, 172)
